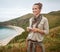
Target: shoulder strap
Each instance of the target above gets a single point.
(39, 20)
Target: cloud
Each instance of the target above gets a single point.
(10, 9)
(11, 13)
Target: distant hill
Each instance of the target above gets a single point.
(53, 18)
(20, 21)
(55, 12)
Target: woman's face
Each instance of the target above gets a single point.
(35, 10)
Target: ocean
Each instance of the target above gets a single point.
(6, 32)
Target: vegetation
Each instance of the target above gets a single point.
(51, 41)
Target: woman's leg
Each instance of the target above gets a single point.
(42, 46)
(29, 46)
(34, 47)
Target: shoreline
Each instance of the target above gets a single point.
(19, 31)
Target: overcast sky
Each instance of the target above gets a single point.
(10, 9)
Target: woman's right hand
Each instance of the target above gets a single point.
(29, 29)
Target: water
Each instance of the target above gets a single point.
(6, 32)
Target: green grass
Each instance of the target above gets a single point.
(52, 41)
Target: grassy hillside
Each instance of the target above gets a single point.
(51, 41)
(20, 21)
(53, 18)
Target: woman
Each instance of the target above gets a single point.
(38, 27)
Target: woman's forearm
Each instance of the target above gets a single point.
(29, 29)
(40, 31)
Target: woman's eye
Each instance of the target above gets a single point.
(34, 8)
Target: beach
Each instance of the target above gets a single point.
(19, 31)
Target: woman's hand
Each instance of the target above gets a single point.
(32, 29)
(29, 29)
(35, 29)
(38, 30)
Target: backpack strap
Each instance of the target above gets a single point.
(38, 20)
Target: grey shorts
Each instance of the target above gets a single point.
(33, 44)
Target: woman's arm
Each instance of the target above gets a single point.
(43, 31)
(38, 30)
(29, 28)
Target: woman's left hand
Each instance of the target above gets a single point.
(35, 29)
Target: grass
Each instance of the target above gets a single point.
(51, 42)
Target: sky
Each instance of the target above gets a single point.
(10, 9)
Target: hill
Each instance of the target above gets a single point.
(55, 12)
(51, 41)
(20, 21)
(53, 18)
